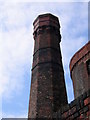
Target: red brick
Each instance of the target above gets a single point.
(88, 113)
(79, 72)
(87, 101)
(72, 110)
(48, 91)
(65, 114)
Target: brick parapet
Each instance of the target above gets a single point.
(79, 70)
(80, 56)
(78, 109)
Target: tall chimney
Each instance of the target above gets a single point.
(48, 91)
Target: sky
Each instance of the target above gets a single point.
(17, 43)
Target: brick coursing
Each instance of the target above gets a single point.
(80, 55)
(79, 71)
(48, 90)
(48, 98)
(79, 109)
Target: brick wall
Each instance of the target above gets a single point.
(79, 72)
(79, 109)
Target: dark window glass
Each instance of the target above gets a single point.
(88, 66)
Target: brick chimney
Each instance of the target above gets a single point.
(48, 91)
(80, 70)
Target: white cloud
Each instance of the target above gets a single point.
(15, 48)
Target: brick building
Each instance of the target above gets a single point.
(48, 97)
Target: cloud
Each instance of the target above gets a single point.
(16, 58)
(15, 54)
(15, 47)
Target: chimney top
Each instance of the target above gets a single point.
(46, 20)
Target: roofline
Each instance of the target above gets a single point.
(79, 54)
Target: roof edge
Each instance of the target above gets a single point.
(79, 54)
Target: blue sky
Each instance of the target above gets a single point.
(16, 47)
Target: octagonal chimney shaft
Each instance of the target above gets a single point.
(48, 91)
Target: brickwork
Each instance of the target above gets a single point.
(48, 98)
(81, 54)
(48, 90)
(79, 71)
(79, 109)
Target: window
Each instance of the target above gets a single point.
(88, 66)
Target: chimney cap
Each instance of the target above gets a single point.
(46, 20)
(46, 15)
